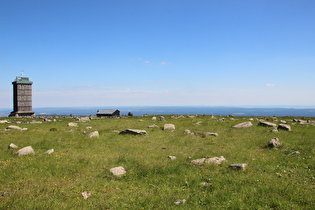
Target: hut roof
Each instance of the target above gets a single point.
(106, 111)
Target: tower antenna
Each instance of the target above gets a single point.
(22, 73)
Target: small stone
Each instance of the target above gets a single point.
(205, 184)
(274, 142)
(153, 126)
(3, 193)
(169, 127)
(118, 171)
(188, 131)
(172, 157)
(71, 124)
(153, 118)
(161, 118)
(3, 121)
(134, 132)
(25, 151)
(294, 153)
(178, 202)
(94, 134)
(12, 146)
(48, 152)
(243, 125)
(88, 128)
(86, 194)
(275, 130)
(241, 166)
(211, 134)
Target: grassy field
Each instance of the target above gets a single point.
(273, 180)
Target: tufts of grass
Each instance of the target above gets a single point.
(273, 180)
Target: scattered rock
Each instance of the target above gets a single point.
(205, 184)
(12, 146)
(243, 125)
(86, 194)
(161, 118)
(268, 124)
(274, 143)
(275, 130)
(284, 127)
(134, 132)
(48, 152)
(294, 153)
(115, 131)
(198, 123)
(88, 128)
(172, 157)
(179, 202)
(283, 122)
(36, 122)
(240, 166)
(13, 127)
(153, 126)
(211, 134)
(221, 119)
(83, 119)
(188, 132)
(3, 121)
(72, 124)
(153, 118)
(169, 127)
(94, 134)
(25, 151)
(213, 160)
(3, 193)
(251, 119)
(198, 162)
(118, 171)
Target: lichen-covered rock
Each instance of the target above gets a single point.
(94, 134)
(268, 124)
(243, 125)
(274, 142)
(71, 124)
(25, 151)
(169, 127)
(48, 152)
(12, 146)
(14, 127)
(213, 160)
(284, 127)
(118, 171)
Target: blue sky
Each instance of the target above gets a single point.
(159, 52)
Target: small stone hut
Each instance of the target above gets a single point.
(108, 113)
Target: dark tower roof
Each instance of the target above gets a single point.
(22, 80)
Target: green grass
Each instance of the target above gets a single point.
(273, 180)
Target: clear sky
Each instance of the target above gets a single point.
(159, 52)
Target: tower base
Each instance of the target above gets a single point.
(22, 114)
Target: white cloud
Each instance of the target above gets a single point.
(270, 85)
(146, 62)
